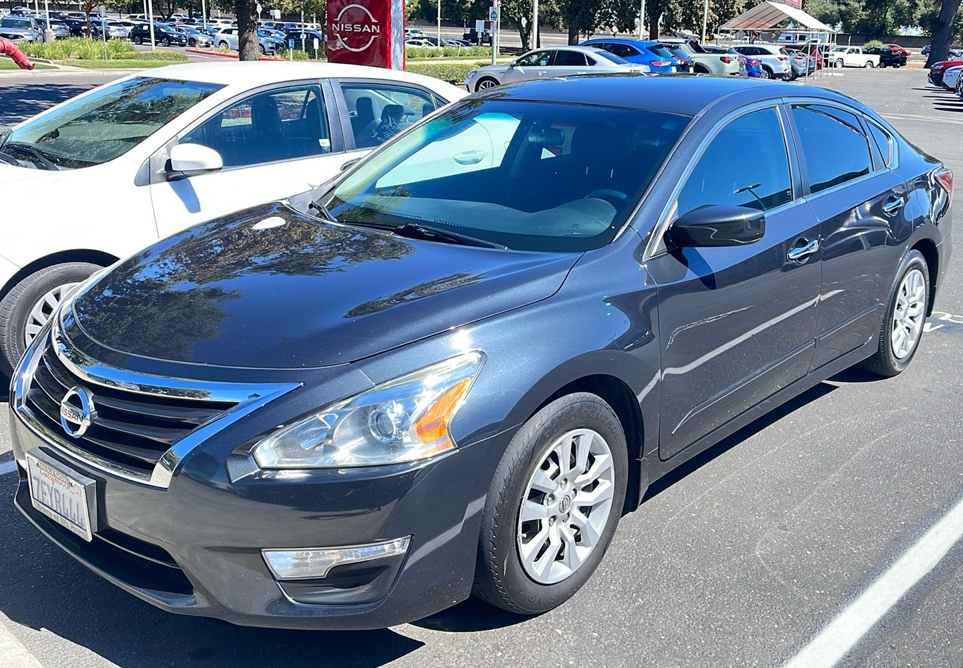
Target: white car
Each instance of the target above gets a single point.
(100, 176)
(951, 77)
(775, 60)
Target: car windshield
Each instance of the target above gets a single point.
(523, 175)
(97, 128)
(12, 22)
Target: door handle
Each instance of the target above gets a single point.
(800, 252)
(893, 205)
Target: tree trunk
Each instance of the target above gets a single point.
(572, 36)
(247, 44)
(943, 32)
(524, 35)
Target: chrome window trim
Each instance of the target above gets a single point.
(248, 397)
(655, 247)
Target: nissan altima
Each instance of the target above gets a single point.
(451, 369)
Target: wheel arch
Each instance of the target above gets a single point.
(932, 257)
(80, 255)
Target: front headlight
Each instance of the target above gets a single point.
(402, 420)
(471, 74)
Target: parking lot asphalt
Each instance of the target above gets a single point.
(832, 523)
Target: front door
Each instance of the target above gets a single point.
(736, 324)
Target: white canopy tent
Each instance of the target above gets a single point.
(768, 14)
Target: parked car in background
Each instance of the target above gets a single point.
(752, 66)
(935, 75)
(899, 49)
(452, 369)
(194, 36)
(642, 52)
(306, 40)
(852, 56)
(483, 38)
(553, 62)
(20, 29)
(57, 27)
(708, 60)
(174, 146)
(227, 38)
(951, 77)
(115, 30)
(774, 59)
(164, 35)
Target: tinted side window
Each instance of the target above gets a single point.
(745, 164)
(569, 59)
(833, 145)
(537, 59)
(884, 142)
(276, 125)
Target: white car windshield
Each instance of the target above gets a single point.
(97, 128)
(523, 175)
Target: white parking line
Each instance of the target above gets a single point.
(8, 467)
(13, 653)
(931, 119)
(849, 627)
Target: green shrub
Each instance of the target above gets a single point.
(82, 48)
(170, 56)
(453, 73)
(298, 54)
(872, 43)
(426, 53)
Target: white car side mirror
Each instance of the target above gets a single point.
(192, 159)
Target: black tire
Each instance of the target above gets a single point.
(16, 305)
(192, 42)
(839, 63)
(767, 72)
(886, 361)
(868, 65)
(223, 45)
(486, 82)
(165, 42)
(138, 40)
(500, 576)
(263, 51)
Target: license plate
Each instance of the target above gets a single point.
(63, 495)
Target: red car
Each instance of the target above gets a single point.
(896, 48)
(935, 76)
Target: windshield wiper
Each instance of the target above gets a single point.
(429, 233)
(319, 206)
(9, 159)
(38, 157)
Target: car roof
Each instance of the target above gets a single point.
(257, 73)
(671, 93)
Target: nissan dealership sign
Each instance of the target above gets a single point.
(367, 32)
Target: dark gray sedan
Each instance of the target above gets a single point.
(452, 369)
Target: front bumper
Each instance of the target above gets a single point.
(195, 547)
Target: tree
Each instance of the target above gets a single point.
(943, 32)
(247, 44)
(580, 17)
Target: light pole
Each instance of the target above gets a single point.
(705, 19)
(439, 23)
(534, 24)
(641, 18)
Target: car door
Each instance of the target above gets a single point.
(859, 203)
(275, 142)
(737, 323)
(533, 66)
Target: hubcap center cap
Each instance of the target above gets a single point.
(565, 504)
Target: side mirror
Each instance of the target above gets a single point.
(512, 64)
(191, 160)
(718, 225)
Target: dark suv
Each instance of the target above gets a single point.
(163, 35)
(888, 57)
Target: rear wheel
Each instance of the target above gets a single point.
(838, 63)
(28, 306)
(553, 505)
(767, 72)
(869, 64)
(902, 327)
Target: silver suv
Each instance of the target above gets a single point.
(20, 29)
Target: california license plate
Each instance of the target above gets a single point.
(63, 495)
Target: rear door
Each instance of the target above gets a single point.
(858, 201)
(736, 324)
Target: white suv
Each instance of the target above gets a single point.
(776, 61)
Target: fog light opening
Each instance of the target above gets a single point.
(316, 562)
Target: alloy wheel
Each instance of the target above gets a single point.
(566, 506)
(43, 309)
(909, 314)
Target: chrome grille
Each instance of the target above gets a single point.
(131, 429)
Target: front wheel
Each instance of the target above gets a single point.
(223, 45)
(553, 506)
(838, 63)
(902, 326)
(485, 83)
(192, 42)
(138, 40)
(165, 42)
(29, 304)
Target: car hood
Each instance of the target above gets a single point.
(271, 287)
(11, 174)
